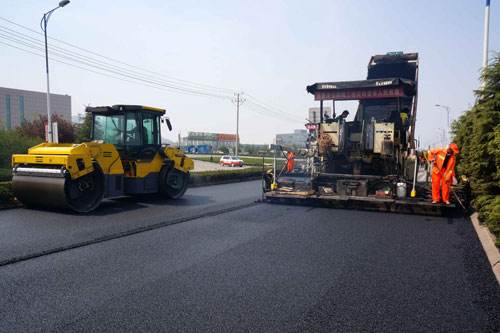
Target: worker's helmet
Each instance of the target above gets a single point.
(454, 147)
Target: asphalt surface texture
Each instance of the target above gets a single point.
(232, 265)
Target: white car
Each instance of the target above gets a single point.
(231, 161)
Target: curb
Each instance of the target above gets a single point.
(208, 180)
(224, 181)
(488, 242)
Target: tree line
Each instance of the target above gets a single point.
(477, 133)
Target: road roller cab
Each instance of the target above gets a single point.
(124, 157)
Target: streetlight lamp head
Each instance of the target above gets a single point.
(63, 3)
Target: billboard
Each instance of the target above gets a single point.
(226, 137)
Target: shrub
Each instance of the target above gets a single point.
(5, 192)
(12, 142)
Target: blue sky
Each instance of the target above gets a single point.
(269, 49)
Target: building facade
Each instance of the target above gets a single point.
(204, 142)
(18, 105)
(314, 116)
(296, 139)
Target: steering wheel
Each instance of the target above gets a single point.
(130, 135)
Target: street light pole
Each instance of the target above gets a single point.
(447, 108)
(486, 33)
(43, 26)
(442, 139)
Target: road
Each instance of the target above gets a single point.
(200, 166)
(221, 262)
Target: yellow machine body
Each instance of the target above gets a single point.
(57, 174)
(106, 156)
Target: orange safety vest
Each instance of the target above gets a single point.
(437, 156)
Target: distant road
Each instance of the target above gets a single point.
(218, 261)
(200, 166)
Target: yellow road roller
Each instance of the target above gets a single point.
(124, 157)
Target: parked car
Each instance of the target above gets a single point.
(231, 161)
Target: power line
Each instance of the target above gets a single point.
(99, 73)
(137, 75)
(259, 111)
(33, 43)
(227, 90)
(59, 54)
(251, 106)
(277, 114)
(271, 108)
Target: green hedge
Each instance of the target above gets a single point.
(477, 133)
(5, 174)
(11, 142)
(5, 192)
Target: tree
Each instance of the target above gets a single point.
(477, 132)
(82, 131)
(36, 128)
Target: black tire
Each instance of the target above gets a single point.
(173, 183)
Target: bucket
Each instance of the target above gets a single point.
(401, 190)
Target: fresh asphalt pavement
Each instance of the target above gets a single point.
(258, 267)
(24, 231)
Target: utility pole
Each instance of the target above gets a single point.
(486, 33)
(238, 100)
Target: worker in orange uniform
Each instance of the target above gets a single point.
(443, 171)
(290, 163)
